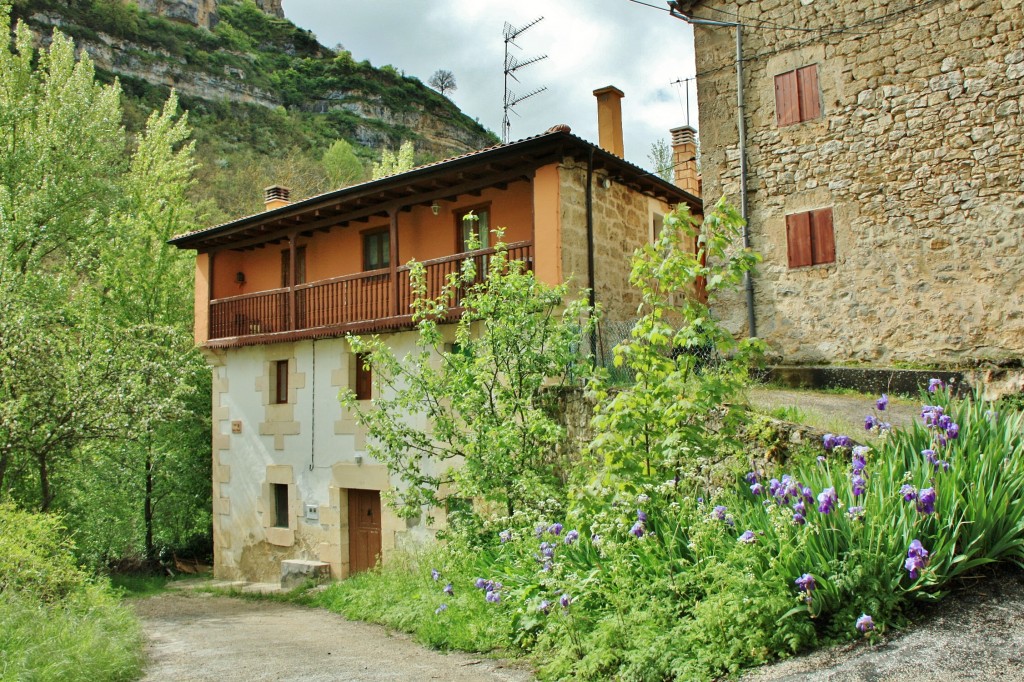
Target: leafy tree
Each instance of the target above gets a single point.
(392, 164)
(487, 398)
(660, 158)
(342, 166)
(688, 368)
(443, 81)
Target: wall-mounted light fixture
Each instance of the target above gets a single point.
(606, 183)
(435, 208)
(240, 278)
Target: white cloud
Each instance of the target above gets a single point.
(589, 45)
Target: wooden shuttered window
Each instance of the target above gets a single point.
(364, 378)
(810, 238)
(797, 96)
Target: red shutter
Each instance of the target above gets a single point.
(364, 378)
(823, 236)
(810, 93)
(787, 101)
(798, 239)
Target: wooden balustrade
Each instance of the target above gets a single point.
(357, 301)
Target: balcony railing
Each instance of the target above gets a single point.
(365, 301)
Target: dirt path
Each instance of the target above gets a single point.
(198, 636)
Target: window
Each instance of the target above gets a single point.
(281, 382)
(467, 227)
(279, 491)
(797, 96)
(376, 250)
(364, 378)
(300, 266)
(810, 238)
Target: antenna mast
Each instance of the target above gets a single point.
(512, 65)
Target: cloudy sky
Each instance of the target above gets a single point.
(589, 43)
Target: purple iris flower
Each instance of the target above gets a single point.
(799, 507)
(855, 512)
(929, 455)
(827, 500)
(858, 485)
(942, 464)
(641, 516)
(882, 402)
(505, 536)
(440, 609)
(539, 530)
(757, 489)
(547, 550)
(798, 519)
(565, 600)
(917, 559)
(953, 431)
(637, 529)
(435, 574)
(572, 536)
(908, 492)
(865, 623)
(774, 487)
(806, 583)
(860, 461)
(493, 597)
(807, 494)
(448, 589)
(935, 385)
(843, 441)
(752, 477)
(822, 459)
(719, 512)
(870, 422)
(747, 538)
(926, 501)
(481, 583)
(828, 442)
(555, 529)
(544, 606)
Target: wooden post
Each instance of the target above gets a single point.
(393, 259)
(209, 296)
(291, 281)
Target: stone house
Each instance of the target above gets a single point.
(277, 292)
(884, 173)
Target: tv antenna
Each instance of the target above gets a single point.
(512, 65)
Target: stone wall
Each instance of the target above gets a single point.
(919, 153)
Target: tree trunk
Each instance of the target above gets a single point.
(44, 484)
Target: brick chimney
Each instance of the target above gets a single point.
(609, 119)
(276, 196)
(684, 159)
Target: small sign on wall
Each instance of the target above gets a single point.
(236, 426)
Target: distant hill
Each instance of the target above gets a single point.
(265, 98)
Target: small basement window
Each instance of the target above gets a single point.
(279, 492)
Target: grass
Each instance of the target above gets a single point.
(136, 585)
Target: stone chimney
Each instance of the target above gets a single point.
(276, 196)
(609, 119)
(684, 159)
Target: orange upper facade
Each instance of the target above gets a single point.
(337, 263)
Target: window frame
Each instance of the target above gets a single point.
(797, 96)
(281, 382)
(279, 498)
(384, 233)
(363, 378)
(460, 236)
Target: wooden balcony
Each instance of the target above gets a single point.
(373, 301)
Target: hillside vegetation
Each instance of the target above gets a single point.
(265, 99)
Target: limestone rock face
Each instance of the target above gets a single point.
(271, 7)
(201, 13)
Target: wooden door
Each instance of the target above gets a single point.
(363, 529)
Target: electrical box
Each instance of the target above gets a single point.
(312, 512)
(236, 426)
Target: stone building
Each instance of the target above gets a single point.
(277, 292)
(885, 173)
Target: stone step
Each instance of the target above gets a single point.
(297, 571)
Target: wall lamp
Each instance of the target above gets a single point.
(240, 277)
(435, 208)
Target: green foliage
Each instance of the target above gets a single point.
(100, 378)
(392, 164)
(55, 623)
(342, 165)
(660, 158)
(493, 434)
(678, 409)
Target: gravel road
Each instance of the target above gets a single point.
(199, 636)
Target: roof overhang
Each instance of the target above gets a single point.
(492, 167)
